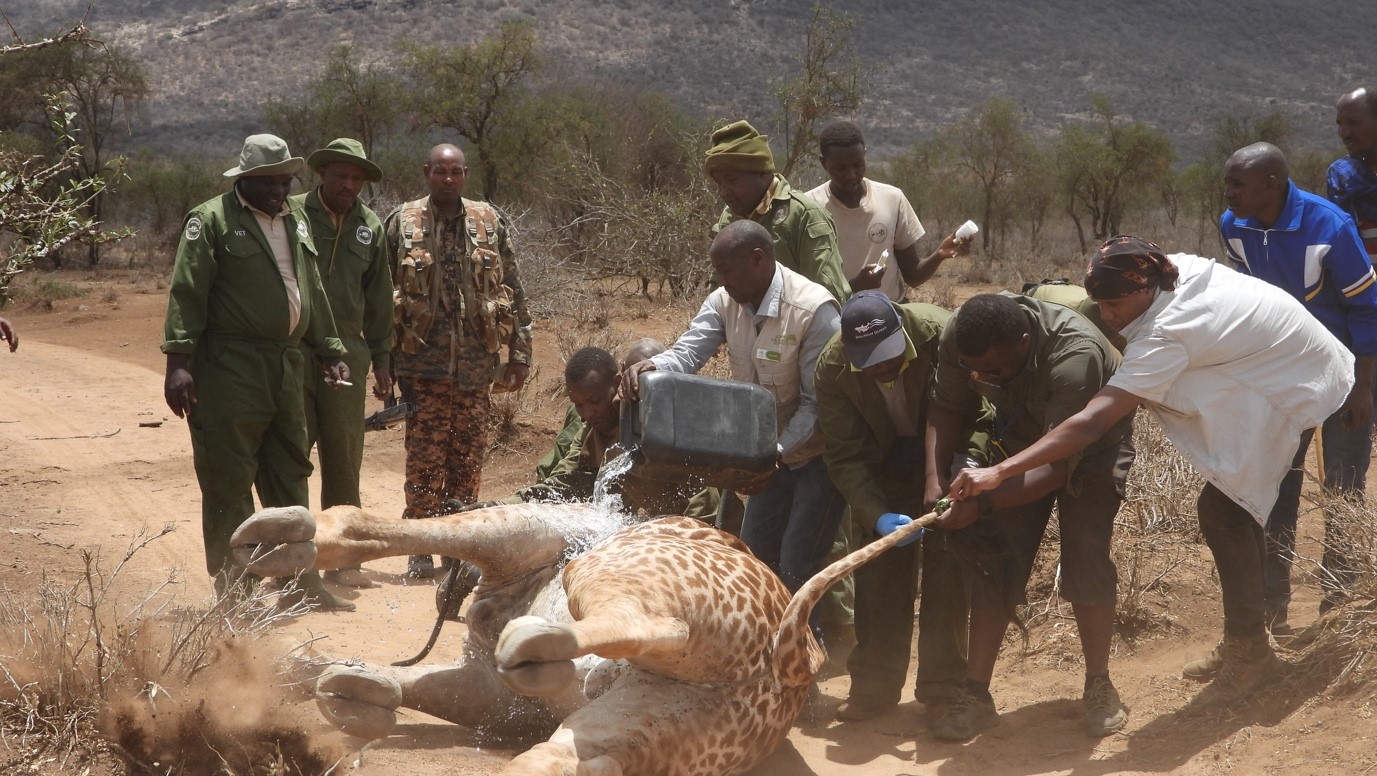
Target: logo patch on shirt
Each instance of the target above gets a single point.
(780, 214)
(877, 232)
(787, 340)
(193, 230)
(240, 233)
(301, 232)
(364, 235)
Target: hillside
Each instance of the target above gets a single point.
(1176, 64)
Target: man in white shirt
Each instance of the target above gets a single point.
(1234, 399)
(775, 323)
(873, 218)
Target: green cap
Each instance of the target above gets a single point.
(265, 155)
(347, 150)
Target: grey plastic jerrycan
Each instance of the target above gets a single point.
(699, 430)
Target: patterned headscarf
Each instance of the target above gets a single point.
(1126, 265)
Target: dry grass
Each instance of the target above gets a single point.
(1339, 650)
(89, 677)
(1155, 533)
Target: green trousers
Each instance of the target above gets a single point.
(885, 591)
(248, 429)
(334, 426)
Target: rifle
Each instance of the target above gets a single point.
(394, 411)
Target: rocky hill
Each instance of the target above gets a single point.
(1178, 64)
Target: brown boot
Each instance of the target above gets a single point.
(1205, 668)
(1248, 663)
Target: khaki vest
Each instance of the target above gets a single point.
(770, 358)
(420, 292)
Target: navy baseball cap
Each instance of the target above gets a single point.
(870, 330)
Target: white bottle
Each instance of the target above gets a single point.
(967, 230)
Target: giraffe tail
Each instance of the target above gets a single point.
(796, 652)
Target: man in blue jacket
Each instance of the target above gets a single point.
(1309, 247)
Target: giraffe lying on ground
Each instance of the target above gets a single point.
(659, 648)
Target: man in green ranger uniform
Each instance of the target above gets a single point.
(743, 168)
(459, 304)
(245, 294)
(352, 261)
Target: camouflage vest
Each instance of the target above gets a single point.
(421, 295)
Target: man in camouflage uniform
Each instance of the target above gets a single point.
(743, 169)
(459, 303)
(352, 261)
(245, 295)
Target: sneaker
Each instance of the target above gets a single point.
(420, 567)
(1104, 712)
(1204, 669)
(353, 577)
(861, 709)
(1247, 664)
(966, 716)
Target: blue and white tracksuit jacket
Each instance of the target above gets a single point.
(1314, 253)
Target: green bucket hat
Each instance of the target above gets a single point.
(740, 148)
(265, 155)
(347, 150)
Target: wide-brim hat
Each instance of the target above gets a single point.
(347, 150)
(265, 155)
(871, 332)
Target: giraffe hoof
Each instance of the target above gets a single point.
(534, 656)
(358, 702)
(276, 542)
(357, 719)
(279, 560)
(538, 679)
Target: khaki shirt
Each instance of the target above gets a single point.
(1069, 361)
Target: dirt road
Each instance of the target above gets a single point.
(90, 458)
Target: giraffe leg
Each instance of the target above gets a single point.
(535, 656)
(502, 541)
(558, 757)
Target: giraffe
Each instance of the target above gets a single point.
(660, 648)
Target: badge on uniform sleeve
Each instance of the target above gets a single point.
(364, 235)
(301, 232)
(193, 229)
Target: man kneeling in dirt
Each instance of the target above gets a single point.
(590, 380)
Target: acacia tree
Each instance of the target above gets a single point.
(101, 88)
(45, 201)
(829, 83)
(990, 145)
(1106, 166)
(345, 99)
(481, 91)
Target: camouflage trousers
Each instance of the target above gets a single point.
(446, 441)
